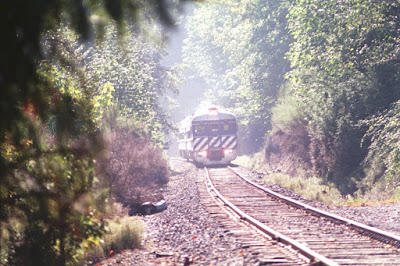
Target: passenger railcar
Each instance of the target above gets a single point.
(209, 137)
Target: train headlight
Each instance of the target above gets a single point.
(202, 153)
(228, 151)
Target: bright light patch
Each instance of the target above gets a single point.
(228, 151)
(213, 113)
(202, 153)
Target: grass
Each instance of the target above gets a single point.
(396, 195)
(123, 233)
(309, 187)
(313, 188)
(380, 193)
(254, 161)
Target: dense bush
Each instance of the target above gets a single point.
(287, 146)
(134, 167)
(382, 164)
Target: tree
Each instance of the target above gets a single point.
(345, 68)
(48, 130)
(136, 75)
(238, 48)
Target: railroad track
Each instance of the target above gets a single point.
(298, 233)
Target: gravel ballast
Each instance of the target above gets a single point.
(186, 234)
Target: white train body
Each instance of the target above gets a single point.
(209, 137)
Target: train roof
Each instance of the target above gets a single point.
(213, 114)
(205, 115)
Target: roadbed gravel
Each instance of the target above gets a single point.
(185, 234)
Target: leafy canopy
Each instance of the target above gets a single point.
(50, 106)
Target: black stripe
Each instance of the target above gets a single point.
(224, 140)
(197, 143)
(205, 144)
(230, 143)
(213, 144)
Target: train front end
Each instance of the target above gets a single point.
(214, 137)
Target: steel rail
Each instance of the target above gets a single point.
(372, 232)
(314, 257)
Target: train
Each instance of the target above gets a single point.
(209, 137)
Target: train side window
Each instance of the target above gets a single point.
(199, 130)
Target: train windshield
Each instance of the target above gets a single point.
(199, 130)
(228, 128)
(213, 129)
(206, 130)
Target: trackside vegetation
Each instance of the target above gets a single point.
(315, 83)
(83, 119)
(71, 73)
(121, 233)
